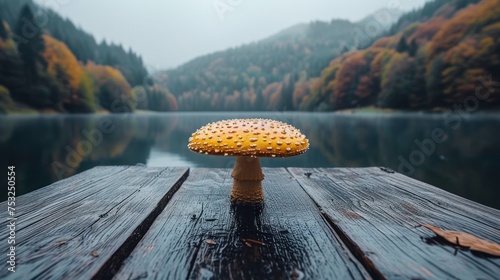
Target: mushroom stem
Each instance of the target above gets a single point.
(247, 181)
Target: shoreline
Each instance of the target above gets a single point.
(350, 111)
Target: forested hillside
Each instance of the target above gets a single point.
(242, 78)
(439, 62)
(48, 64)
(326, 66)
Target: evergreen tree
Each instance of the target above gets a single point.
(345, 49)
(413, 48)
(433, 80)
(12, 74)
(287, 94)
(30, 43)
(3, 31)
(459, 4)
(402, 45)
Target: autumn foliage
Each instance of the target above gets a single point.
(436, 63)
(61, 63)
(434, 57)
(114, 92)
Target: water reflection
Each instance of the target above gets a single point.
(47, 148)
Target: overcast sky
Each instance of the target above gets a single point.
(167, 33)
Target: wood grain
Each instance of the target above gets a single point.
(200, 235)
(86, 225)
(376, 213)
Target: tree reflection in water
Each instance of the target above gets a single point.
(464, 164)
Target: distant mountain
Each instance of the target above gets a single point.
(327, 65)
(243, 78)
(296, 31)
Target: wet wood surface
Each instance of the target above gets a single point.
(176, 223)
(201, 236)
(377, 214)
(84, 226)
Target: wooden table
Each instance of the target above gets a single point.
(175, 223)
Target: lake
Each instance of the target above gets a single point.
(454, 152)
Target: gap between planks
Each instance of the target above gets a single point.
(377, 212)
(354, 249)
(79, 227)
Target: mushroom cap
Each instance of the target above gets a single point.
(249, 137)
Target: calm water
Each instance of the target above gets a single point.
(467, 163)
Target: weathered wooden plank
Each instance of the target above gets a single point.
(376, 213)
(86, 225)
(295, 239)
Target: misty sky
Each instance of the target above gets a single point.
(167, 33)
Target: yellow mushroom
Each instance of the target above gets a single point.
(252, 143)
